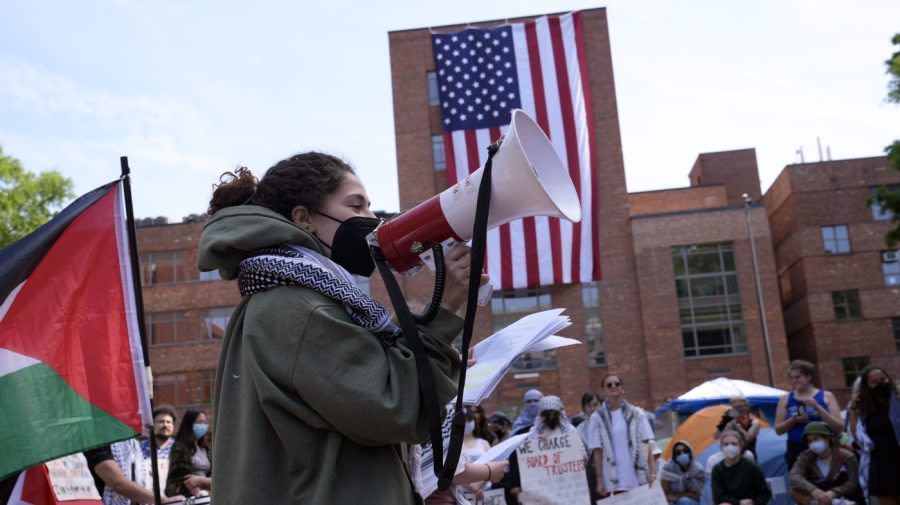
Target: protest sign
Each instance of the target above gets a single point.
(648, 494)
(552, 469)
(491, 497)
(70, 478)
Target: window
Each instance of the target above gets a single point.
(184, 390)
(878, 213)
(846, 305)
(215, 321)
(895, 326)
(511, 305)
(437, 151)
(836, 239)
(852, 368)
(163, 267)
(212, 275)
(593, 324)
(709, 302)
(167, 328)
(890, 265)
(434, 98)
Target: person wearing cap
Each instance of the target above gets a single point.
(525, 420)
(823, 471)
(500, 425)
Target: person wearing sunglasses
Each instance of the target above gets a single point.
(621, 440)
(682, 478)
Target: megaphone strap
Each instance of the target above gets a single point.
(444, 469)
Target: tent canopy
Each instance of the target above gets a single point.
(722, 389)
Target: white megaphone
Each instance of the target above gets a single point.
(527, 179)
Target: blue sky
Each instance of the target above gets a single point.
(189, 89)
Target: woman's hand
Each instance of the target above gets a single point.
(497, 469)
(458, 268)
(196, 483)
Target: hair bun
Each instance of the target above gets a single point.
(234, 188)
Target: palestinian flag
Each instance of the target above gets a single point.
(72, 373)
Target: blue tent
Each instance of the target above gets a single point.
(720, 390)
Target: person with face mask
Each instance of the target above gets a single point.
(501, 426)
(473, 447)
(737, 480)
(315, 382)
(875, 422)
(526, 419)
(190, 461)
(824, 471)
(682, 478)
(551, 420)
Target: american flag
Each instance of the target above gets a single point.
(539, 66)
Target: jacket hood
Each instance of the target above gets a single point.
(233, 232)
(686, 444)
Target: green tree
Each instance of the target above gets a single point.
(885, 197)
(28, 200)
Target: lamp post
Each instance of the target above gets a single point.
(759, 295)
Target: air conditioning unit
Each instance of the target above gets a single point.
(890, 256)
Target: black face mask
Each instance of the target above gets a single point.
(882, 389)
(349, 248)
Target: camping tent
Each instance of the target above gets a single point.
(698, 429)
(720, 390)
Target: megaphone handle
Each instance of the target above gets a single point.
(440, 278)
(431, 260)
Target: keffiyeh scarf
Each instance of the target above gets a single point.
(293, 265)
(638, 456)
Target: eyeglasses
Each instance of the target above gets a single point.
(531, 401)
(680, 451)
(610, 385)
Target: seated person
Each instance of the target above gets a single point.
(738, 418)
(823, 471)
(737, 480)
(682, 478)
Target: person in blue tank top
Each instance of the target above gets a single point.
(803, 405)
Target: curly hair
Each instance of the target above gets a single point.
(303, 179)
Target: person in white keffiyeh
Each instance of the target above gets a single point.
(622, 440)
(316, 393)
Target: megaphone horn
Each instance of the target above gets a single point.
(528, 179)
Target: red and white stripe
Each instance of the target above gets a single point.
(554, 90)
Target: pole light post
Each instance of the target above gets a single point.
(759, 295)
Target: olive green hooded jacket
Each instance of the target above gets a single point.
(309, 408)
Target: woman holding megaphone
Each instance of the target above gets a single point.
(316, 390)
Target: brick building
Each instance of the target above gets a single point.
(639, 320)
(840, 285)
(678, 303)
(185, 312)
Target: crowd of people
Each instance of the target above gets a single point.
(319, 400)
(829, 460)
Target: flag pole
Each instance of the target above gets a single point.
(139, 302)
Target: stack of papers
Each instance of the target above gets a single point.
(496, 354)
